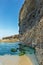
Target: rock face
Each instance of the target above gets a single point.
(31, 25)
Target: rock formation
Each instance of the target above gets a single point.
(13, 38)
(31, 25)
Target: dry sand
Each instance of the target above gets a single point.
(15, 60)
(9, 40)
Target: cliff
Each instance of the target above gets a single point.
(13, 38)
(31, 25)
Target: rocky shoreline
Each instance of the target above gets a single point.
(31, 26)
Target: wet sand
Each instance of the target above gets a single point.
(15, 60)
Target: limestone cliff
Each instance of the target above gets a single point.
(31, 24)
(30, 17)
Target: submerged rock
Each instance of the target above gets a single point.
(13, 50)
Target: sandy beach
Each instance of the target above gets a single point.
(15, 60)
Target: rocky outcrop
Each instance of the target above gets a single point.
(31, 25)
(13, 38)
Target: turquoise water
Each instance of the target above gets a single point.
(5, 48)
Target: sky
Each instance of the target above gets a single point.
(9, 17)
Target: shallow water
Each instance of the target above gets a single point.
(5, 49)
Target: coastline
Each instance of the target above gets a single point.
(16, 60)
(13, 40)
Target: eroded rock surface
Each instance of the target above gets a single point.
(31, 25)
